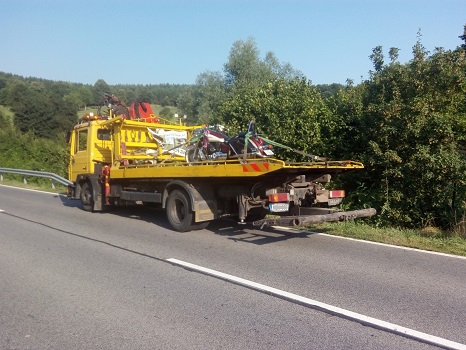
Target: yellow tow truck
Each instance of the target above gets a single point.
(116, 160)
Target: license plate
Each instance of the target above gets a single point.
(279, 207)
(334, 201)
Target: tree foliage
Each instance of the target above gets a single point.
(27, 151)
(408, 123)
(39, 109)
(246, 68)
(463, 37)
(294, 103)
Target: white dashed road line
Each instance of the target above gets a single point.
(370, 321)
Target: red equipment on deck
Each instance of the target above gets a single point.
(142, 111)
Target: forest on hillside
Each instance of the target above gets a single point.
(406, 122)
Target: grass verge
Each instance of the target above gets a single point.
(436, 242)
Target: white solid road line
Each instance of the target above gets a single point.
(395, 246)
(32, 190)
(370, 321)
(374, 243)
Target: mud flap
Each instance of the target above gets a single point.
(204, 204)
(96, 192)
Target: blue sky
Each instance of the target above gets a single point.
(173, 41)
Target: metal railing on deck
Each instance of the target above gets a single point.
(26, 173)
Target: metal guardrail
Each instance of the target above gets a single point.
(25, 173)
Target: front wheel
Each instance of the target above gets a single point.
(179, 211)
(87, 197)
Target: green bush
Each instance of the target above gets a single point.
(26, 151)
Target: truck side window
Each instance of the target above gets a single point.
(103, 134)
(81, 141)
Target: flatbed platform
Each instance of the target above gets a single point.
(231, 168)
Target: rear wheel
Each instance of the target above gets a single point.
(179, 211)
(87, 198)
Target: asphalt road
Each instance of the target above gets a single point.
(70, 279)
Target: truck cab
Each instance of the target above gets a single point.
(90, 143)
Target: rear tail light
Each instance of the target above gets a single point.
(279, 197)
(337, 194)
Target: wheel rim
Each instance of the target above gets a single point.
(86, 196)
(179, 211)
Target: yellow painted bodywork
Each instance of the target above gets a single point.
(136, 149)
(229, 168)
(87, 148)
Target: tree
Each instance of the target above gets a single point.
(377, 58)
(100, 88)
(31, 106)
(39, 110)
(3, 91)
(463, 37)
(281, 71)
(74, 99)
(166, 113)
(210, 93)
(393, 54)
(290, 112)
(328, 90)
(406, 123)
(3, 121)
(244, 65)
(85, 96)
(188, 104)
(245, 71)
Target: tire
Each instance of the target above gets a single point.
(179, 211)
(87, 197)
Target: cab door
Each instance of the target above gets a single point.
(80, 162)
